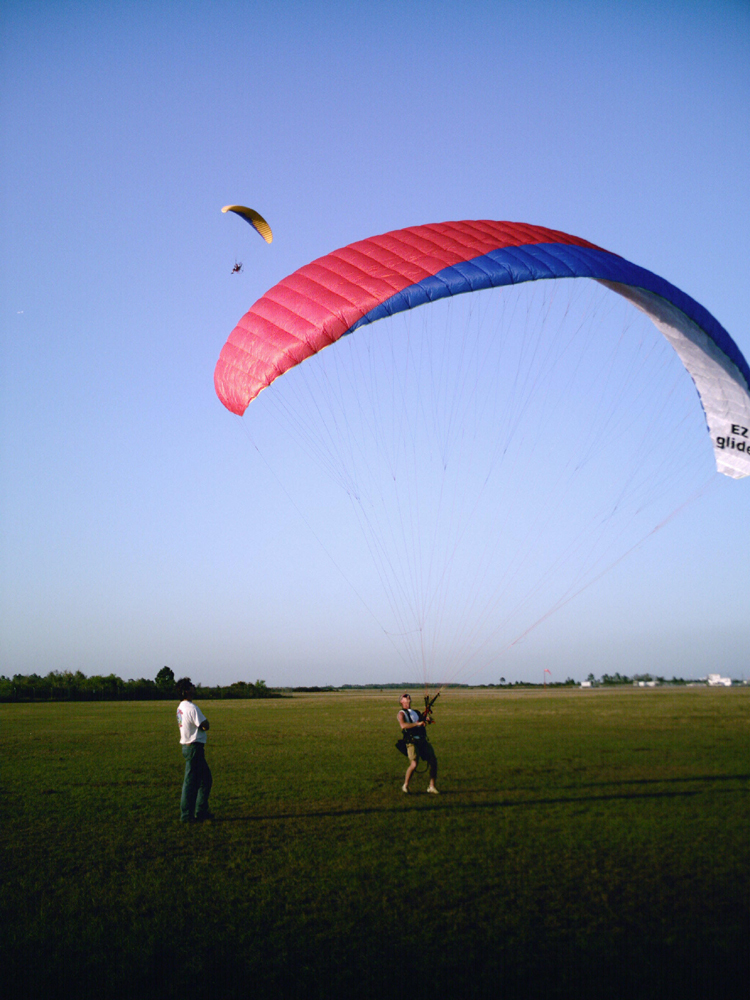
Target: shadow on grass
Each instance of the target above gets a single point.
(665, 781)
(448, 803)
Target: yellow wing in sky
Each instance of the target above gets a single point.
(257, 221)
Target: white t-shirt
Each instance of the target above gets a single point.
(189, 717)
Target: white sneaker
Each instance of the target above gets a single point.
(405, 788)
(432, 790)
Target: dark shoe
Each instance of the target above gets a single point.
(206, 815)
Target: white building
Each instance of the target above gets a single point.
(716, 680)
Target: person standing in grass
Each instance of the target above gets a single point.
(418, 746)
(197, 782)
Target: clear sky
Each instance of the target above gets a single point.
(139, 528)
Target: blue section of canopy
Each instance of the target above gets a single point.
(537, 261)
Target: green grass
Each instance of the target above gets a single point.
(586, 844)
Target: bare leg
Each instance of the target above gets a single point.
(433, 764)
(409, 771)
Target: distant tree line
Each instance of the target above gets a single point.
(618, 678)
(68, 686)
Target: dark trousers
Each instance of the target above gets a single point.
(196, 784)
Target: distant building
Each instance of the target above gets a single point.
(716, 680)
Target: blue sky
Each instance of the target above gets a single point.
(138, 526)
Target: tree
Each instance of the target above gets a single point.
(165, 679)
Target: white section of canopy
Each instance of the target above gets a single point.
(721, 386)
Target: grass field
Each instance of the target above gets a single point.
(585, 844)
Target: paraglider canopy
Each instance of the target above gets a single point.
(256, 220)
(366, 281)
(498, 451)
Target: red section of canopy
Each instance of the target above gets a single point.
(315, 306)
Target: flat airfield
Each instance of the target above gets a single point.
(586, 843)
